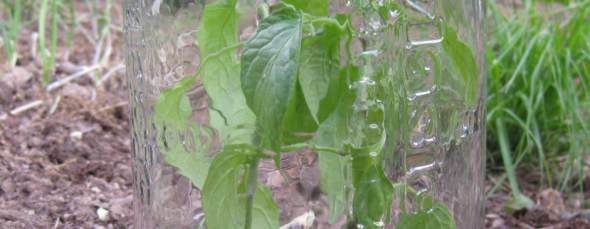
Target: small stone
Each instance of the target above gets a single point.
(95, 189)
(77, 135)
(103, 214)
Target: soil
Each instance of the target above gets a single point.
(66, 160)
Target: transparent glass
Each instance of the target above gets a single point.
(307, 114)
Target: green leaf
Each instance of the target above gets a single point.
(373, 198)
(333, 183)
(224, 195)
(333, 133)
(464, 61)
(439, 217)
(173, 107)
(193, 165)
(298, 124)
(266, 212)
(319, 71)
(313, 7)
(228, 110)
(518, 202)
(269, 72)
(173, 111)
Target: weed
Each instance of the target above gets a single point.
(539, 71)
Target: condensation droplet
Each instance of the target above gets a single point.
(419, 94)
(430, 140)
(379, 224)
(465, 131)
(424, 42)
(413, 113)
(372, 53)
(418, 7)
(422, 168)
(366, 81)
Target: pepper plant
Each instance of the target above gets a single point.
(285, 89)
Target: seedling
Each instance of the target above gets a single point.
(290, 89)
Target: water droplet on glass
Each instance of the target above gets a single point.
(465, 131)
(419, 94)
(430, 140)
(367, 81)
(371, 53)
(379, 224)
(418, 169)
(418, 7)
(424, 42)
(418, 143)
(393, 14)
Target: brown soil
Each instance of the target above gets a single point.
(69, 156)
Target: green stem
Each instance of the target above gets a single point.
(251, 191)
(53, 47)
(42, 44)
(295, 147)
(506, 158)
(331, 21)
(192, 79)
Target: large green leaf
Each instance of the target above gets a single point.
(224, 195)
(228, 110)
(333, 133)
(373, 198)
(464, 62)
(313, 7)
(269, 72)
(265, 210)
(298, 124)
(173, 111)
(437, 217)
(333, 183)
(173, 107)
(191, 164)
(319, 71)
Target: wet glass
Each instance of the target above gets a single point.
(382, 125)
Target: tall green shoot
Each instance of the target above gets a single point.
(10, 30)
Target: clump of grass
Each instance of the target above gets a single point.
(10, 28)
(538, 91)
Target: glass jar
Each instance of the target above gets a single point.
(306, 113)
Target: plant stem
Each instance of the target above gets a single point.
(42, 44)
(251, 191)
(187, 82)
(295, 147)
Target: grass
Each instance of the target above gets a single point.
(48, 53)
(538, 92)
(56, 22)
(10, 28)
